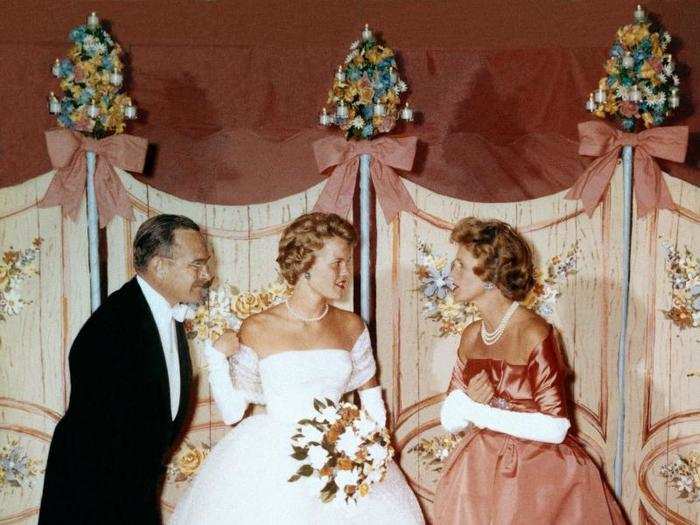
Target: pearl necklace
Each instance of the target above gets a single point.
(294, 314)
(490, 338)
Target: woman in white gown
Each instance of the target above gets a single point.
(290, 354)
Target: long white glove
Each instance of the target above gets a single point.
(232, 403)
(372, 402)
(459, 409)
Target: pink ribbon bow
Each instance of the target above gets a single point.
(67, 153)
(387, 154)
(600, 140)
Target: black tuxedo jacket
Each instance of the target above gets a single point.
(108, 452)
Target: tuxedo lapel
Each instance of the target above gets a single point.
(153, 358)
(185, 375)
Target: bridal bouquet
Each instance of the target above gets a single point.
(342, 451)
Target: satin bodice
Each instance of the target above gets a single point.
(535, 386)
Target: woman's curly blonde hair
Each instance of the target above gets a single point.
(505, 258)
(306, 235)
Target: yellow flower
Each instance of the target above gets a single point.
(279, 289)
(448, 308)
(647, 71)
(626, 36)
(350, 93)
(611, 67)
(648, 119)
(345, 464)
(4, 276)
(189, 462)
(641, 31)
(610, 105)
(391, 98)
(364, 489)
(656, 46)
(247, 304)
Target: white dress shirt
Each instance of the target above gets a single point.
(163, 315)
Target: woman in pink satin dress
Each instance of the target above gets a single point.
(516, 464)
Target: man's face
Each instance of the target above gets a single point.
(184, 276)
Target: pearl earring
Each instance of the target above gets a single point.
(488, 285)
(307, 276)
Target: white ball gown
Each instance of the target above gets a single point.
(244, 478)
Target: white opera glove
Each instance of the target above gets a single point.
(373, 404)
(452, 416)
(533, 426)
(232, 403)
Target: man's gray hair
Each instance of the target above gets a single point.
(155, 237)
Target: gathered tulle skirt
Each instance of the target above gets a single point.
(244, 481)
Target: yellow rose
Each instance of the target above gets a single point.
(364, 489)
(247, 304)
(611, 67)
(647, 71)
(189, 462)
(626, 36)
(648, 119)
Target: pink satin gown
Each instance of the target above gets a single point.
(493, 478)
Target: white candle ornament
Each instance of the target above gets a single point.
(379, 110)
(639, 15)
(56, 69)
(325, 118)
(93, 21)
(366, 33)
(635, 94)
(600, 95)
(116, 78)
(407, 113)
(93, 110)
(54, 104)
(340, 74)
(590, 103)
(342, 111)
(130, 112)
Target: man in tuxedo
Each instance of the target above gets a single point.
(130, 386)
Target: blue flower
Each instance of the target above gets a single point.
(616, 50)
(85, 97)
(611, 80)
(354, 74)
(67, 105)
(640, 55)
(628, 124)
(77, 34)
(107, 62)
(367, 112)
(658, 119)
(66, 67)
(438, 283)
(65, 120)
(368, 131)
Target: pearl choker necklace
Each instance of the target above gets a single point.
(490, 338)
(296, 315)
